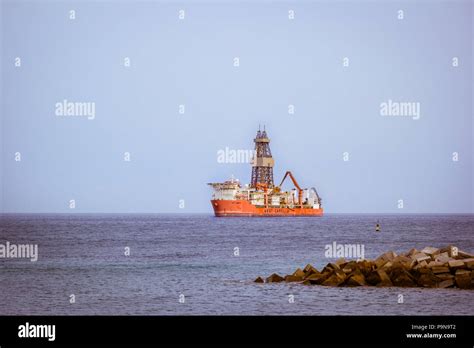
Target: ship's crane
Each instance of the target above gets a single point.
(300, 191)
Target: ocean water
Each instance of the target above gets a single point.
(194, 256)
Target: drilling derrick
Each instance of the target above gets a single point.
(262, 167)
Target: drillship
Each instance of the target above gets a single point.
(261, 197)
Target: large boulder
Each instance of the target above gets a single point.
(384, 258)
(401, 277)
(380, 262)
(443, 258)
(389, 256)
(356, 278)
(465, 255)
(428, 280)
(412, 252)
(352, 265)
(292, 278)
(366, 267)
(347, 270)
(421, 257)
(274, 278)
(422, 264)
(309, 269)
(378, 277)
(337, 278)
(387, 267)
(373, 278)
(463, 279)
(430, 251)
(404, 261)
(258, 280)
(440, 269)
(318, 278)
(384, 278)
(434, 264)
(330, 267)
(423, 270)
(446, 284)
(455, 264)
(444, 276)
(311, 273)
(469, 263)
(298, 273)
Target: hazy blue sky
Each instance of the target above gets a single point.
(190, 62)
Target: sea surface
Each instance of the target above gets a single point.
(193, 258)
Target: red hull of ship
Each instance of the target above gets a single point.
(244, 208)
